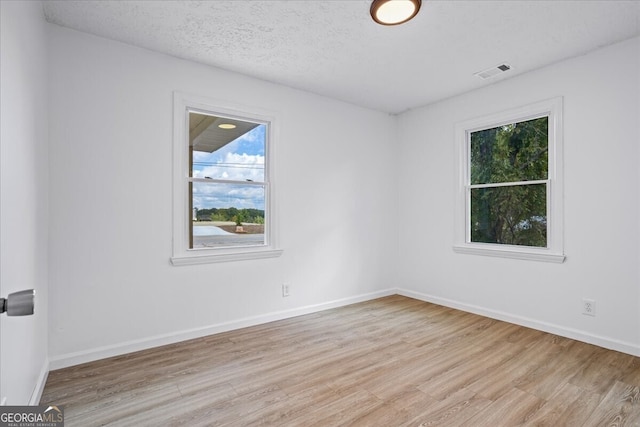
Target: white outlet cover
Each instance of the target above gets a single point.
(588, 307)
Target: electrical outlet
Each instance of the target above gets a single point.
(285, 289)
(588, 307)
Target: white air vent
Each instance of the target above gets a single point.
(493, 71)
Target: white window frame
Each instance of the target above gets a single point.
(182, 254)
(554, 251)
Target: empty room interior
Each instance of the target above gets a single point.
(312, 213)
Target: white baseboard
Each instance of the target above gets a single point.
(612, 344)
(72, 359)
(39, 388)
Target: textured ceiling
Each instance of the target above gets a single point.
(334, 48)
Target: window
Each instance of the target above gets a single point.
(223, 195)
(510, 184)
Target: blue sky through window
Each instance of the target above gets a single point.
(241, 160)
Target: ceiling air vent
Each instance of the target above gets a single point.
(493, 71)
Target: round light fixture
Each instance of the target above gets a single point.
(394, 12)
(227, 126)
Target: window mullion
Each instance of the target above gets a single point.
(227, 181)
(508, 184)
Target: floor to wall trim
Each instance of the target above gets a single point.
(605, 342)
(72, 359)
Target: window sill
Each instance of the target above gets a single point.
(225, 257)
(510, 253)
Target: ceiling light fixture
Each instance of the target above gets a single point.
(226, 126)
(394, 12)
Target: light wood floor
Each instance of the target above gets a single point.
(389, 362)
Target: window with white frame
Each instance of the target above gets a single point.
(509, 200)
(223, 195)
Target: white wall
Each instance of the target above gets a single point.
(23, 197)
(339, 181)
(113, 288)
(601, 93)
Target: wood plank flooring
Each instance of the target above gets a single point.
(389, 362)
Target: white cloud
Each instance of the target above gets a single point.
(231, 162)
(215, 195)
(235, 167)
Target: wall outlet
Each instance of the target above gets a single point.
(285, 289)
(588, 307)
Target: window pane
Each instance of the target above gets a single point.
(227, 215)
(223, 148)
(513, 215)
(510, 153)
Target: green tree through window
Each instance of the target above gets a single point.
(508, 184)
